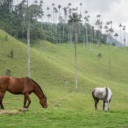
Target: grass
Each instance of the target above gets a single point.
(64, 118)
(52, 66)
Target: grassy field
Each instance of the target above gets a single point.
(52, 66)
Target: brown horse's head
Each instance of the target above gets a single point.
(43, 102)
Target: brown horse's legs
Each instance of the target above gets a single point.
(1, 104)
(25, 101)
(1, 98)
(26, 98)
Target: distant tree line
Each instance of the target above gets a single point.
(13, 19)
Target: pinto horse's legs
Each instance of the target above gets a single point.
(26, 98)
(103, 104)
(96, 102)
(1, 98)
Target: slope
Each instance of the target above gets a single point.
(52, 66)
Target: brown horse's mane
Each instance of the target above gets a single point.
(37, 85)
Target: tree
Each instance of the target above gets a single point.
(124, 35)
(99, 23)
(28, 38)
(116, 35)
(59, 7)
(86, 26)
(70, 26)
(74, 20)
(80, 8)
(110, 31)
(120, 26)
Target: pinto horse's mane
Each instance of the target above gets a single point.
(106, 93)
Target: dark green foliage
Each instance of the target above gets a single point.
(13, 20)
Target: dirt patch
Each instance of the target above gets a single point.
(9, 112)
(13, 112)
(23, 109)
(63, 99)
(57, 105)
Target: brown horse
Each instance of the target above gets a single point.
(23, 86)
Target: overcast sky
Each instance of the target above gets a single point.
(110, 10)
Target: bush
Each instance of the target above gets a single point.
(8, 72)
(11, 53)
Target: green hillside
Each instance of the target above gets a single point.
(52, 66)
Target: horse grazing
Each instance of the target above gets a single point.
(23, 86)
(104, 94)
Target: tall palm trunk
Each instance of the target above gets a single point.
(76, 66)
(110, 71)
(86, 35)
(74, 19)
(28, 38)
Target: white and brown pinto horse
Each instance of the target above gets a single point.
(104, 94)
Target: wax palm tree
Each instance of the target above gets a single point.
(80, 8)
(49, 15)
(56, 13)
(59, 23)
(59, 7)
(116, 35)
(28, 38)
(65, 20)
(70, 27)
(65, 14)
(110, 31)
(99, 30)
(92, 33)
(47, 10)
(53, 11)
(124, 35)
(120, 26)
(56, 26)
(86, 30)
(36, 2)
(69, 5)
(98, 23)
(41, 2)
(74, 20)
(81, 16)
(124, 39)
(41, 31)
(52, 24)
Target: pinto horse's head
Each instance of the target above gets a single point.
(106, 106)
(43, 102)
(107, 99)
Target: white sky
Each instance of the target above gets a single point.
(110, 10)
